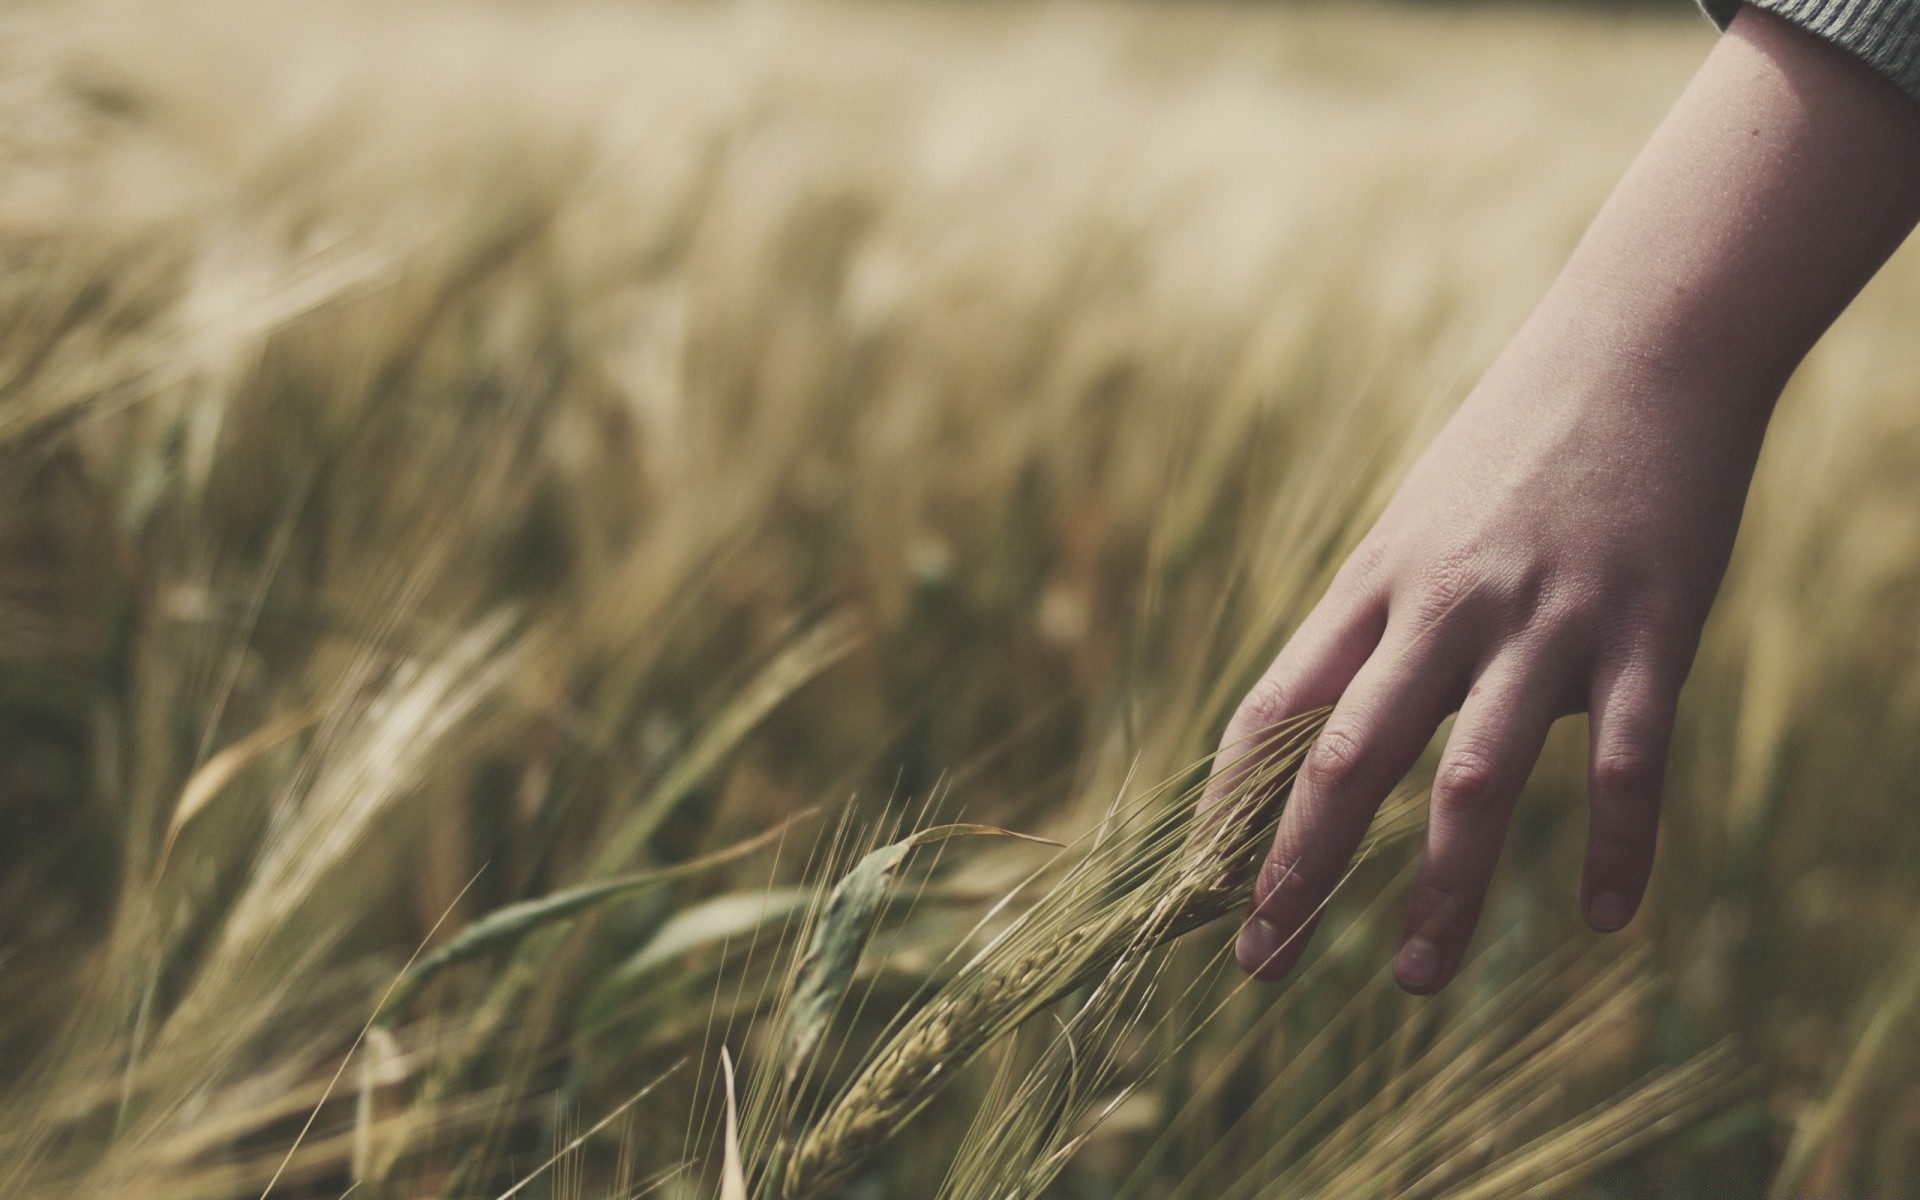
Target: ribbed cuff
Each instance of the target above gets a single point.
(1884, 34)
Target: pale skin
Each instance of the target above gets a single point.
(1557, 547)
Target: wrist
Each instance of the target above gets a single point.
(1607, 341)
(1669, 336)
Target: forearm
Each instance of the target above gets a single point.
(1776, 187)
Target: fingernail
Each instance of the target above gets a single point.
(1259, 942)
(1608, 912)
(1418, 964)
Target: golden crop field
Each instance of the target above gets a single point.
(522, 527)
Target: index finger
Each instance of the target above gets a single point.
(1311, 672)
(1374, 736)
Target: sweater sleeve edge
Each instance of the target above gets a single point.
(1884, 34)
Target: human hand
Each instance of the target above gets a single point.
(1558, 546)
(1555, 550)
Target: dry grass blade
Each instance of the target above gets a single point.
(1458, 1114)
(1889, 1008)
(220, 770)
(586, 1135)
(366, 1030)
(795, 666)
(733, 1175)
(1559, 1158)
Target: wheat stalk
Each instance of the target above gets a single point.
(1143, 889)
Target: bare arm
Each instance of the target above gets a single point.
(1558, 546)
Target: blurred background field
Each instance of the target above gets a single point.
(452, 454)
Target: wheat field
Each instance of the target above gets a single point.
(543, 550)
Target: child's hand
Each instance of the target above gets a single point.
(1558, 546)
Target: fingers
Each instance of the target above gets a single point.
(1392, 682)
(1632, 726)
(1312, 671)
(1494, 744)
(1372, 739)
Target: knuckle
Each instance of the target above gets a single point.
(1625, 771)
(1266, 705)
(1446, 586)
(1442, 907)
(1331, 764)
(1281, 886)
(1642, 609)
(1529, 589)
(1365, 565)
(1554, 615)
(1640, 630)
(1466, 782)
(1549, 610)
(1478, 589)
(1278, 875)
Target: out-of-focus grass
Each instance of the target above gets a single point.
(451, 456)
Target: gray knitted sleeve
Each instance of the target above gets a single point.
(1883, 33)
